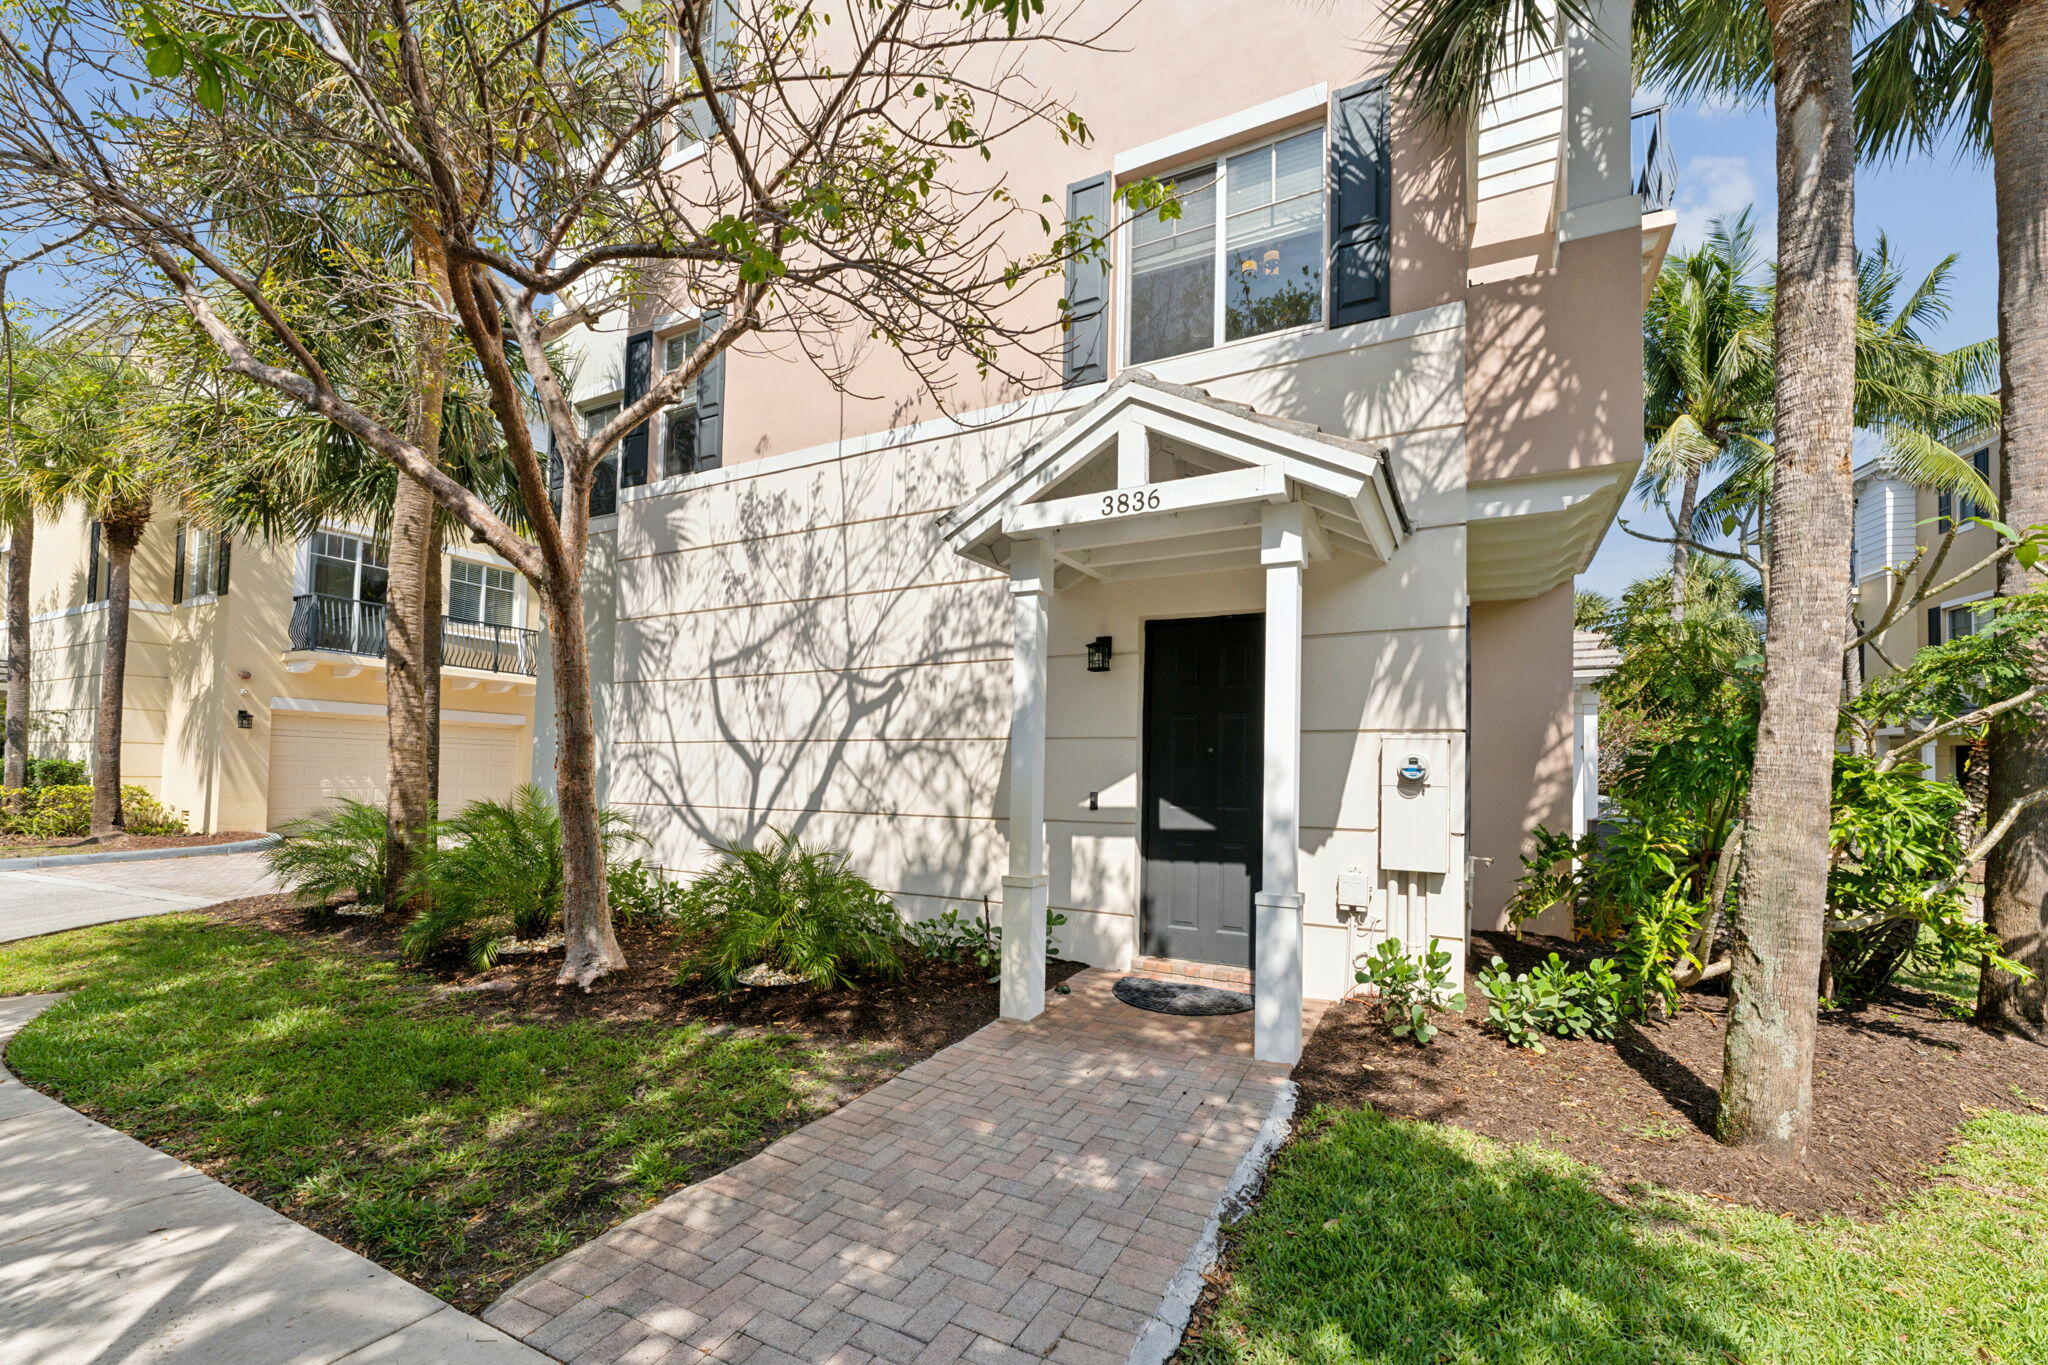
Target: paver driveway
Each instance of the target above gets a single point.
(46, 900)
(1029, 1193)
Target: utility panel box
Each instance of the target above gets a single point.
(1357, 893)
(1415, 803)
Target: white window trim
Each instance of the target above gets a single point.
(1953, 602)
(1125, 246)
(1245, 123)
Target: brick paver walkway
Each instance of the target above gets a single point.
(47, 900)
(1029, 1193)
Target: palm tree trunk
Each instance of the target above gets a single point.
(1767, 1080)
(2016, 872)
(20, 561)
(1681, 554)
(412, 615)
(409, 789)
(591, 949)
(118, 536)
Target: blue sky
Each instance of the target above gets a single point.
(1929, 207)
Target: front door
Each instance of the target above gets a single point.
(1203, 748)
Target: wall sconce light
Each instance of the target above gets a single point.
(244, 721)
(1098, 654)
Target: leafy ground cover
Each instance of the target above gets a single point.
(459, 1149)
(1400, 1241)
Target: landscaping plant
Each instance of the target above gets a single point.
(65, 812)
(496, 876)
(332, 854)
(790, 908)
(1553, 998)
(57, 772)
(1411, 988)
(949, 938)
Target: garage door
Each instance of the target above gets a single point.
(315, 758)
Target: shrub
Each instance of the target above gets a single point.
(497, 876)
(56, 772)
(332, 853)
(799, 910)
(1411, 989)
(639, 893)
(65, 812)
(948, 938)
(1553, 998)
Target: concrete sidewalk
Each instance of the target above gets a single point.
(48, 900)
(112, 1251)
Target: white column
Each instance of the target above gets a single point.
(1585, 759)
(1024, 889)
(1277, 968)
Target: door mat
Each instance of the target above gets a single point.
(1179, 997)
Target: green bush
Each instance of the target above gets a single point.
(640, 894)
(1552, 998)
(56, 772)
(65, 812)
(1411, 989)
(948, 938)
(332, 853)
(795, 909)
(497, 876)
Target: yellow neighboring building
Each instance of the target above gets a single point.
(1894, 521)
(255, 678)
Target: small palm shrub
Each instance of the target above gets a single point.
(333, 853)
(496, 876)
(799, 910)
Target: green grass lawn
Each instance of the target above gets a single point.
(1389, 1240)
(460, 1151)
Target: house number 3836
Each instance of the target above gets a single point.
(1132, 500)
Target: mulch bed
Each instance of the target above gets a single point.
(935, 1005)
(27, 845)
(1893, 1082)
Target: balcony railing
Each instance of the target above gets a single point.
(343, 625)
(1656, 180)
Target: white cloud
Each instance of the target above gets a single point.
(1711, 187)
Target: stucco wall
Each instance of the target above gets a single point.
(1521, 741)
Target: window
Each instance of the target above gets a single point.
(695, 122)
(202, 564)
(1193, 287)
(604, 486)
(1981, 462)
(480, 592)
(348, 567)
(679, 422)
(1959, 621)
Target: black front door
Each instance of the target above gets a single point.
(1204, 687)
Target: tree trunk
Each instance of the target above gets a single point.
(409, 792)
(592, 949)
(1780, 913)
(412, 612)
(2016, 871)
(20, 560)
(1681, 554)
(118, 538)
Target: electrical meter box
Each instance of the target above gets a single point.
(1415, 803)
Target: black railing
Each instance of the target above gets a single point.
(342, 625)
(1656, 180)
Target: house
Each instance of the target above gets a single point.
(1248, 646)
(1900, 525)
(255, 684)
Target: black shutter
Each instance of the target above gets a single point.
(178, 568)
(220, 574)
(1945, 510)
(1934, 625)
(639, 371)
(1360, 196)
(92, 564)
(711, 399)
(1086, 359)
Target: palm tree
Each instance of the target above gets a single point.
(1980, 75)
(1456, 48)
(96, 449)
(25, 366)
(1706, 374)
